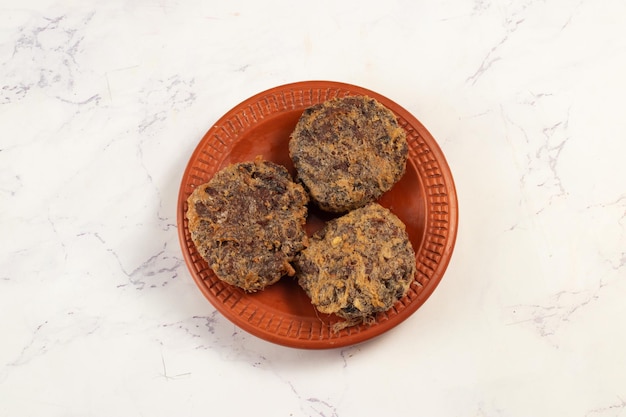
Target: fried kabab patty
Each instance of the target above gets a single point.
(248, 223)
(358, 265)
(347, 152)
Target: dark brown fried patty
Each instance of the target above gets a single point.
(248, 222)
(348, 151)
(358, 264)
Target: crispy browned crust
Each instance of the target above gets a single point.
(358, 265)
(348, 151)
(248, 222)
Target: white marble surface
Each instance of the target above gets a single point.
(102, 103)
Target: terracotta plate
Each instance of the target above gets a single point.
(425, 199)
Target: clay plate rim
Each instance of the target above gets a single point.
(272, 314)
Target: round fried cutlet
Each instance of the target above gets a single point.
(358, 264)
(348, 151)
(248, 222)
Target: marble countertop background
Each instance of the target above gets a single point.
(102, 103)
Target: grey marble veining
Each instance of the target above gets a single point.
(101, 106)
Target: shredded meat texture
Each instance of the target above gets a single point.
(248, 223)
(358, 264)
(347, 152)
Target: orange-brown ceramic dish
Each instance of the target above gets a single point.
(425, 199)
